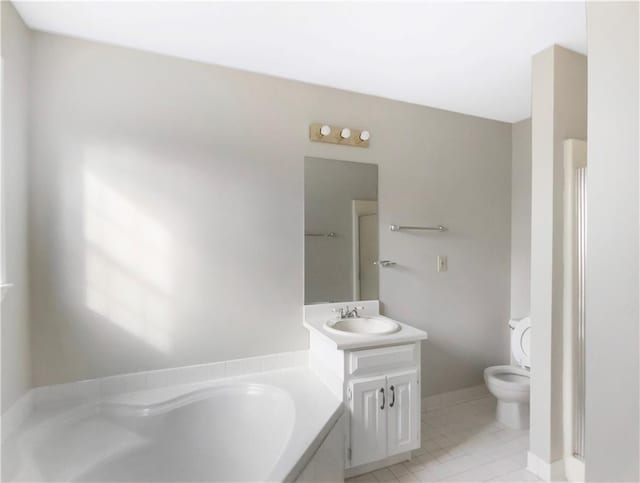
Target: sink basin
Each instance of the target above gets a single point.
(362, 326)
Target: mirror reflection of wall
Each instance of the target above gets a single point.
(341, 231)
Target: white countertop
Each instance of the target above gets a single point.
(315, 317)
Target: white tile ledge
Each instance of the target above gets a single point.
(82, 392)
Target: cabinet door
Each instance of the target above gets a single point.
(368, 420)
(403, 411)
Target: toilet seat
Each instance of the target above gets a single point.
(521, 341)
(498, 377)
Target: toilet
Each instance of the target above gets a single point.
(510, 384)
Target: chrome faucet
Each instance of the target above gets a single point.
(348, 313)
(353, 313)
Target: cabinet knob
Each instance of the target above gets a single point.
(382, 392)
(393, 396)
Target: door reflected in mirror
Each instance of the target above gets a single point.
(341, 231)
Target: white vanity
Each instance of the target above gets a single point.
(373, 364)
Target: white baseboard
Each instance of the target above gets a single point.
(574, 469)
(376, 465)
(452, 398)
(545, 471)
(17, 414)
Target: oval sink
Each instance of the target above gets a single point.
(362, 326)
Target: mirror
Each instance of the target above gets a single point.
(341, 231)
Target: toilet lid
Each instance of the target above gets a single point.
(521, 342)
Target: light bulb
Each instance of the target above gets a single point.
(345, 133)
(325, 130)
(365, 135)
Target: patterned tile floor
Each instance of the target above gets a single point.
(462, 443)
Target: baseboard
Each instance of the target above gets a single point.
(545, 471)
(376, 465)
(17, 414)
(452, 398)
(574, 469)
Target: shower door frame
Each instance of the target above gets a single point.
(574, 307)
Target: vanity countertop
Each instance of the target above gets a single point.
(315, 317)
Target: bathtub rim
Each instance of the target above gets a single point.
(317, 408)
(117, 408)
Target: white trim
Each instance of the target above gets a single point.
(4, 284)
(17, 414)
(545, 471)
(575, 157)
(376, 465)
(358, 209)
(574, 469)
(452, 398)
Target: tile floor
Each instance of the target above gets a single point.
(462, 443)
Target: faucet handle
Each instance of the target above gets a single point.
(357, 309)
(339, 310)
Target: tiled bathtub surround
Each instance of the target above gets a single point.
(85, 391)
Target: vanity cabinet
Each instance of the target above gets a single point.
(404, 414)
(377, 377)
(384, 416)
(381, 389)
(368, 420)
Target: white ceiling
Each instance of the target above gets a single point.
(469, 57)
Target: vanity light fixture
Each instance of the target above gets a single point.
(326, 133)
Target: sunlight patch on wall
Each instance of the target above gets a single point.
(127, 264)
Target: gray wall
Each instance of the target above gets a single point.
(16, 371)
(167, 215)
(612, 448)
(330, 186)
(558, 112)
(520, 219)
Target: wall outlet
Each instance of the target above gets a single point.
(442, 263)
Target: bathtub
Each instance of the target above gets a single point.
(254, 428)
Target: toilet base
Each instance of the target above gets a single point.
(513, 414)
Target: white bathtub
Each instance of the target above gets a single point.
(255, 428)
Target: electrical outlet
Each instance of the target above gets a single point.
(442, 263)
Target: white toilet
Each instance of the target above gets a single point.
(510, 384)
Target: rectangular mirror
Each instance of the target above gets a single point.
(341, 231)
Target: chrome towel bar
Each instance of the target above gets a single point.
(331, 234)
(384, 263)
(430, 228)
